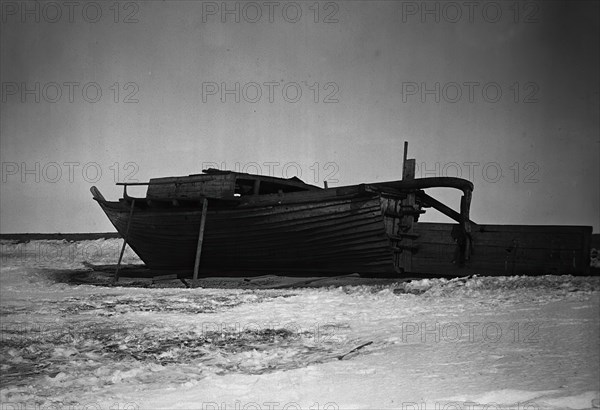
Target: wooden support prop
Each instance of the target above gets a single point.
(116, 278)
(446, 210)
(200, 238)
(465, 205)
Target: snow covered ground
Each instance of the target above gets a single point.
(495, 343)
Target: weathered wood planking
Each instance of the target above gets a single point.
(192, 187)
(338, 235)
(505, 250)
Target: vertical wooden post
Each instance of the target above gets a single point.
(200, 238)
(116, 278)
(465, 204)
(404, 159)
(407, 209)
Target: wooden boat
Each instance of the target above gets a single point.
(228, 223)
(231, 223)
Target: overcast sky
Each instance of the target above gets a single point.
(502, 93)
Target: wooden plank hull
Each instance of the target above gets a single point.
(329, 237)
(505, 250)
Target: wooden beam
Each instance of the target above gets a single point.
(404, 158)
(200, 238)
(443, 208)
(116, 278)
(165, 277)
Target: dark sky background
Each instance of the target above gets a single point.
(533, 113)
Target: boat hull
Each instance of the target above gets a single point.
(331, 236)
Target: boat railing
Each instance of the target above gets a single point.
(126, 184)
